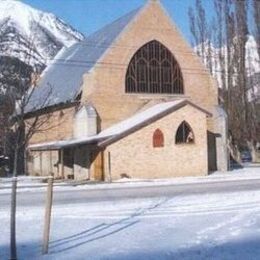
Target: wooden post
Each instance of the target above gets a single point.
(109, 166)
(13, 255)
(98, 166)
(47, 219)
(62, 163)
(41, 164)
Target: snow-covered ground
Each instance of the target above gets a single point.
(211, 226)
(200, 226)
(29, 184)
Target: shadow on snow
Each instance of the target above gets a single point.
(100, 231)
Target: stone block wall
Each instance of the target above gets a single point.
(58, 125)
(43, 163)
(104, 85)
(135, 156)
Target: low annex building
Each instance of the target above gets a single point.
(132, 100)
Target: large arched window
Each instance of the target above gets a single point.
(184, 134)
(153, 69)
(158, 138)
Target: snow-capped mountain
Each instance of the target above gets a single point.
(252, 57)
(31, 35)
(217, 57)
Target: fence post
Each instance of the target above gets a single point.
(47, 219)
(13, 255)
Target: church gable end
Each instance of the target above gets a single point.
(149, 59)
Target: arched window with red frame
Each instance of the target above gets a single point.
(158, 138)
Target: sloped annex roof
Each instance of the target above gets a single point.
(62, 80)
(123, 128)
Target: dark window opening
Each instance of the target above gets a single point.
(184, 134)
(158, 138)
(153, 69)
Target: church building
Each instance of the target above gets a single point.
(132, 100)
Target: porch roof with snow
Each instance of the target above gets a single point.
(61, 81)
(121, 129)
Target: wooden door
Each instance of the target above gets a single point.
(98, 167)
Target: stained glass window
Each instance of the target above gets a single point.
(153, 69)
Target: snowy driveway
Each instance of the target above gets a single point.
(33, 194)
(199, 226)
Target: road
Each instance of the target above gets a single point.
(77, 196)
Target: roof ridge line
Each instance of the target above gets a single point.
(113, 22)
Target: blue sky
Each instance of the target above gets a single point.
(88, 16)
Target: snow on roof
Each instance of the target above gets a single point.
(56, 145)
(63, 78)
(139, 118)
(122, 127)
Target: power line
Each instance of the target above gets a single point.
(121, 66)
(82, 63)
(115, 66)
(105, 45)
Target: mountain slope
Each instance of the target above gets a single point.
(31, 35)
(252, 58)
(212, 57)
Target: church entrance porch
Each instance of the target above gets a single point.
(65, 163)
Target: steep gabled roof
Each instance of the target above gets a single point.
(123, 128)
(62, 80)
(142, 119)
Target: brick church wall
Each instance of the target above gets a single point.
(104, 86)
(136, 157)
(58, 126)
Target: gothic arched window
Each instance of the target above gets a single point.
(153, 69)
(184, 134)
(158, 138)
